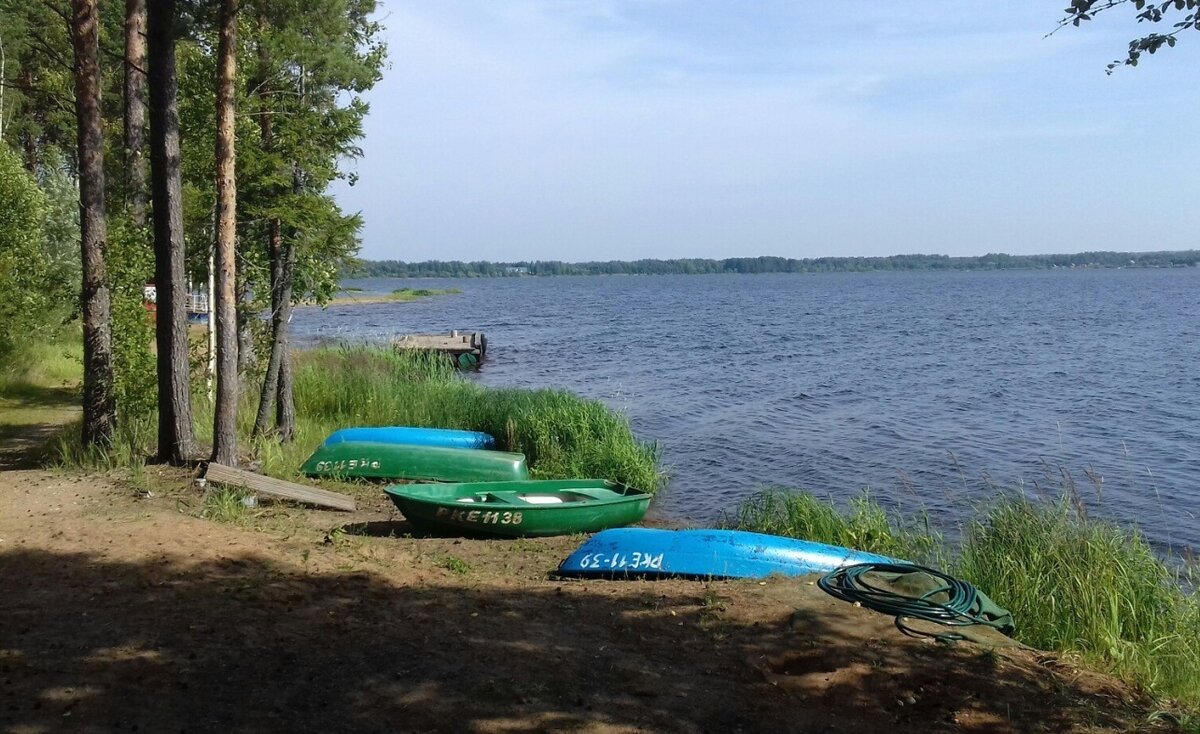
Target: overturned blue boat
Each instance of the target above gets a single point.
(709, 554)
(415, 436)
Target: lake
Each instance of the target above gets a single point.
(933, 390)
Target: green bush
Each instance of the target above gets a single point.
(63, 266)
(23, 273)
(130, 265)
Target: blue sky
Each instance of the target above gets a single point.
(605, 129)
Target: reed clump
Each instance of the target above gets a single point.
(1074, 584)
(413, 294)
(863, 525)
(561, 434)
(1089, 587)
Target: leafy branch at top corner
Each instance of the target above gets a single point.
(1180, 14)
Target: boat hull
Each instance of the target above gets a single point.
(374, 460)
(415, 436)
(519, 509)
(705, 554)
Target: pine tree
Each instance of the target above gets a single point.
(175, 439)
(99, 409)
(225, 421)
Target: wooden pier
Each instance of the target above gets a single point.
(467, 350)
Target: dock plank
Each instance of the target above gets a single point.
(453, 343)
(232, 477)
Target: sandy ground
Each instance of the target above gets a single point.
(126, 612)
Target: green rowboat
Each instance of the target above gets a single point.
(403, 461)
(514, 509)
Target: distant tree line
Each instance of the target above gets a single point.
(704, 266)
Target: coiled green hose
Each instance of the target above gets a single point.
(965, 605)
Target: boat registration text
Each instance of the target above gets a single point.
(480, 517)
(628, 561)
(341, 464)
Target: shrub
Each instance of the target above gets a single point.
(23, 272)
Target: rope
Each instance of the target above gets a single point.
(961, 609)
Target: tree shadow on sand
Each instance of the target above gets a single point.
(248, 644)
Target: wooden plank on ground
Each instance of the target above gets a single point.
(229, 476)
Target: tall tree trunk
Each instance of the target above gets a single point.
(270, 387)
(175, 439)
(225, 421)
(135, 108)
(246, 317)
(285, 410)
(285, 413)
(99, 410)
(266, 401)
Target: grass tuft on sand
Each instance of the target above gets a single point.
(1090, 587)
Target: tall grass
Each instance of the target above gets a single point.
(561, 434)
(1088, 587)
(864, 525)
(132, 448)
(38, 365)
(1074, 584)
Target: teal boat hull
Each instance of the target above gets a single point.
(705, 554)
(415, 435)
(519, 509)
(373, 460)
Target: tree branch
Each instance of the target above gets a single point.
(1153, 11)
(50, 52)
(65, 104)
(53, 8)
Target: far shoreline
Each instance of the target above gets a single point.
(773, 264)
(355, 297)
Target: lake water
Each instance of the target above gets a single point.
(933, 390)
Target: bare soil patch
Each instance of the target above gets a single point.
(121, 611)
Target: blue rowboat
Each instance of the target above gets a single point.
(648, 552)
(414, 436)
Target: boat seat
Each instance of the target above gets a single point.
(544, 499)
(536, 498)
